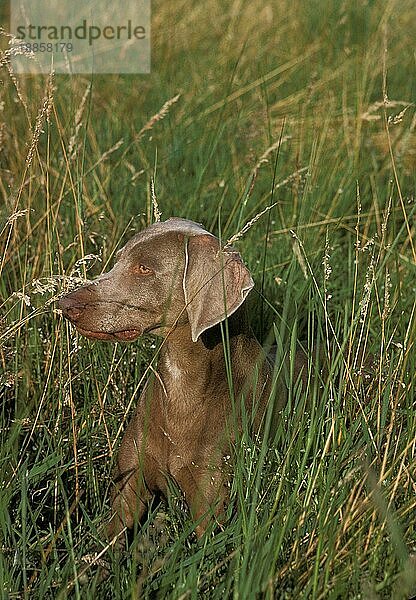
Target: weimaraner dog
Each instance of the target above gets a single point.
(174, 280)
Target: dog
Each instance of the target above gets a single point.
(174, 280)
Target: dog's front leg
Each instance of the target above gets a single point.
(135, 482)
(129, 501)
(206, 493)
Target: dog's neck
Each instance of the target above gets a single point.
(191, 362)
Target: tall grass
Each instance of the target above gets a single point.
(308, 105)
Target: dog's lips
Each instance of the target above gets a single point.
(128, 335)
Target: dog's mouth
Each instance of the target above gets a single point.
(127, 335)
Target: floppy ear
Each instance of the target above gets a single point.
(215, 283)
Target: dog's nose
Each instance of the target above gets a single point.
(71, 309)
(74, 304)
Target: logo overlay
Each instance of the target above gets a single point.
(75, 36)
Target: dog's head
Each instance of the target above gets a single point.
(171, 273)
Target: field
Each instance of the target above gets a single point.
(305, 106)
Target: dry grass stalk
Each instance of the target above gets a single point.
(156, 212)
(5, 62)
(2, 135)
(158, 116)
(78, 123)
(264, 158)
(43, 114)
(107, 153)
(16, 215)
(370, 278)
(299, 253)
(248, 225)
(369, 114)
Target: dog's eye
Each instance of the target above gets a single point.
(141, 270)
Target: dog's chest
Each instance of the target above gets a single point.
(189, 432)
(184, 432)
(174, 370)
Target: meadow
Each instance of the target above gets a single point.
(304, 106)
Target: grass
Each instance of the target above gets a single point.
(322, 91)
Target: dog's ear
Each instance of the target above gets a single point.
(215, 283)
